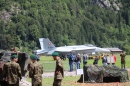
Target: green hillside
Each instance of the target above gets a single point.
(64, 22)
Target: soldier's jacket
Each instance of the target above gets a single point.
(122, 58)
(59, 70)
(12, 72)
(35, 72)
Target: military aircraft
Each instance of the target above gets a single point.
(47, 48)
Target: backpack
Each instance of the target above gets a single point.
(1, 66)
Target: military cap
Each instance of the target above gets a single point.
(55, 54)
(33, 57)
(14, 56)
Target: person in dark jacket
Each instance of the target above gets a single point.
(96, 60)
(78, 61)
(71, 60)
(85, 58)
(104, 60)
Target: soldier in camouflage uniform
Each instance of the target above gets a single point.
(59, 71)
(35, 71)
(12, 72)
(2, 62)
(122, 60)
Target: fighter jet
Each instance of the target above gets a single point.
(47, 48)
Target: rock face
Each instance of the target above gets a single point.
(110, 4)
(5, 15)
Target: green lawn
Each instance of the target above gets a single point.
(67, 81)
(49, 64)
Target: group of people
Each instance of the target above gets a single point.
(11, 74)
(77, 60)
(106, 60)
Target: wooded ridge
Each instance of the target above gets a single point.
(64, 22)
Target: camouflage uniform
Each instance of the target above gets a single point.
(12, 72)
(59, 73)
(122, 60)
(35, 72)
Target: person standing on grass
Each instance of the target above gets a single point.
(59, 70)
(96, 60)
(108, 59)
(85, 58)
(122, 55)
(114, 59)
(104, 60)
(71, 60)
(35, 71)
(78, 60)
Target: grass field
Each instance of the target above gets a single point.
(49, 65)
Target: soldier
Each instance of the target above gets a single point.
(38, 57)
(2, 62)
(35, 71)
(12, 72)
(59, 71)
(122, 60)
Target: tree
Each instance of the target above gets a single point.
(8, 42)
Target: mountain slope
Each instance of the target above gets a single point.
(65, 22)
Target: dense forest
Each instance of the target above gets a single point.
(64, 22)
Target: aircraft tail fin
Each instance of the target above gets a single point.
(46, 44)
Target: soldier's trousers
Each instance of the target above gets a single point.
(57, 82)
(13, 84)
(122, 66)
